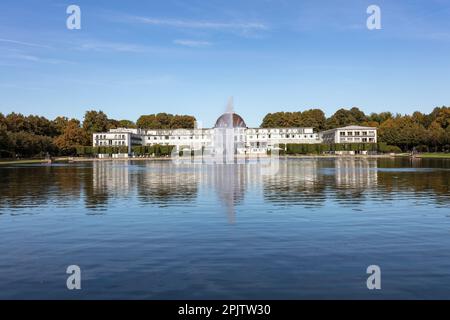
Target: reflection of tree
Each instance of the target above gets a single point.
(431, 182)
(32, 186)
(297, 183)
(163, 183)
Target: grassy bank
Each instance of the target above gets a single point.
(24, 161)
(437, 155)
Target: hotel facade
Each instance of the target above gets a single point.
(230, 129)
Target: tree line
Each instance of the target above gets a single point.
(35, 136)
(30, 136)
(419, 131)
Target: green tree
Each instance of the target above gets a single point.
(380, 117)
(5, 143)
(435, 136)
(344, 117)
(402, 131)
(25, 144)
(16, 122)
(95, 121)
(282, 120)
(40, 126)
(166, 121)
(358, 115)
(127, 124)
(314, 118)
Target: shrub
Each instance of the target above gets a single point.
(384, 148)
(422, 148)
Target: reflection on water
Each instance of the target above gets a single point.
(302, 182)
(358, 174)
(152, 229)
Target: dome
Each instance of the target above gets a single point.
(226, 119)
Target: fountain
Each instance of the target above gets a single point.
(226, 135)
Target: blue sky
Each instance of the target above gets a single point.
(188, 56)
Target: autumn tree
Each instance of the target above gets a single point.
(60, 124)
(73, 136)
(442, 116)
(402, 131)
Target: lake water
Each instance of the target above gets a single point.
(156, 230)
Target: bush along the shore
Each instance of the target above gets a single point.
(93, 151)
(155, 150)
(283, 149)
(294, 149)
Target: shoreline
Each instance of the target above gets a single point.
(248, 157)
(79, 160)
(285, 157)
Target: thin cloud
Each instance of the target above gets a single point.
(192, 43)
(32, 58)
(121, 48)
(22, 43)
(193, 24)
(112, 46)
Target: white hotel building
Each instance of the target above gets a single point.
(231, 128)
(350, 134)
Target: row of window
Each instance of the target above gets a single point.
(287, 136)
(256, 131)
(174, 138)
(110, 143)
(357, 133)
(116, 136)
(358, 139)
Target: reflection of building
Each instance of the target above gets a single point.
(231, 136)
(113, 179)
(357, 173)
(157, 183)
